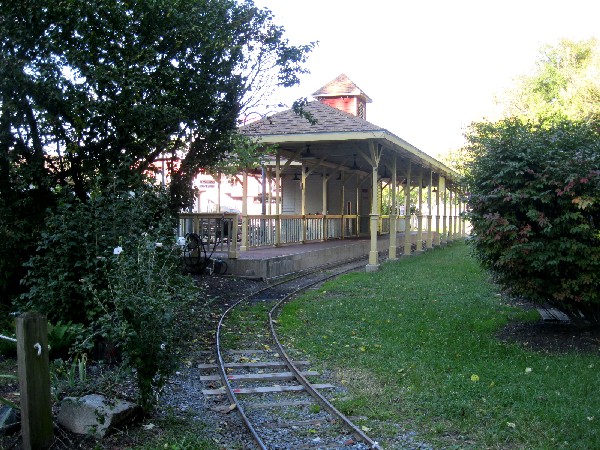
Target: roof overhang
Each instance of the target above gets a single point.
(389, 141)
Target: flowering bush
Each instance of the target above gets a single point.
(535, 209)
(112, 264)
(145, 308)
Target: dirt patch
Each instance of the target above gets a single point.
(549, 336)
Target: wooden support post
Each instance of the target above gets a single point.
(451, 217)
(420, 213)
(244, 242)
(303, 204)
(407, 231)
(34, 381)
(438, 231)
(374, 216)
(278, 200)
(393, 213)
(429, 216)
(358, 184)
(444, 216)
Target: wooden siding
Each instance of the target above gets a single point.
(346, 104)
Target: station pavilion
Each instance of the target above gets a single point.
(326, 179)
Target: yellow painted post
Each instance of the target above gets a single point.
(244, 243)
(34, 381)
(374, 216)
(407, 231)
(460, 221)
(420, 213)
(393, 214)
(303, 203)
(277, 200)
(343, 203)
(457, 228)
(429, 216)
(444, 216)
(451, 214)
(324, 202)
(357, 206)
(218, 192)
(437, 238)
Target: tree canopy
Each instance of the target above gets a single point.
(92, 91)
(566, 82)
(88, 87)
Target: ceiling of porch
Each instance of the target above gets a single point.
(342, 142)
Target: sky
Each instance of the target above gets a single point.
(430, 67)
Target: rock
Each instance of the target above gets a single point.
(94, 414)
(10, 420)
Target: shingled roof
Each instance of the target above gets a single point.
(341, 86)
(329, 120)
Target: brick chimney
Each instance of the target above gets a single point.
(343, 94)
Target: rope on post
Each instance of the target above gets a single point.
(7, 338)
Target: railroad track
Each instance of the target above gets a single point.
(279, 399)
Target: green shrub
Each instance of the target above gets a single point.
(145, 309)
(62, 336)
(535, 209)
(112, 264)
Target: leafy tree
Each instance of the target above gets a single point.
(535, 209)
(534, 183)
(103, 88)
(566, 82)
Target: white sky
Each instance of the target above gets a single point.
(431, 67)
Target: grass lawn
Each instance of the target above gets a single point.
(415, 344)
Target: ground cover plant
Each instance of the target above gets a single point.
(417, 345)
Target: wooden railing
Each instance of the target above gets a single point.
(219, 232)
(223, 232)
(270, 230)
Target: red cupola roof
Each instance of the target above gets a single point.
(343, 94)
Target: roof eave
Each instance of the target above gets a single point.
(382, 135)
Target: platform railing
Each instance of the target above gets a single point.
(262, 230)
(219, 232)
(271, 230)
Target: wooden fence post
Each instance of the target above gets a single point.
(34, 381)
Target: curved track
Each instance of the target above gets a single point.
(274, 397)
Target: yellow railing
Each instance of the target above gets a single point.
(218, 232)
(223, 232)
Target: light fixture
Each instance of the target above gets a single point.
(354, 166)
(296, 177)
(339, 177)
(307, 154)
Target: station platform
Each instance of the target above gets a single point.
(271, 262)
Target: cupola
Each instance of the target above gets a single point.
(343, 94)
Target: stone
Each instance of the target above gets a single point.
(95, 415)
(10, 420)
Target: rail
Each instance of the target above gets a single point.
(300, 378)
